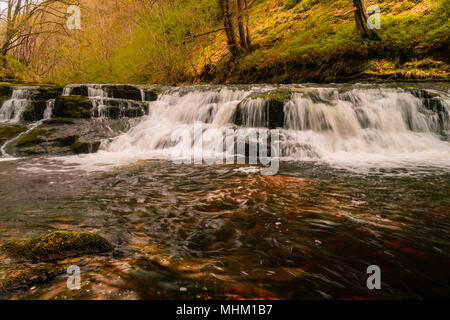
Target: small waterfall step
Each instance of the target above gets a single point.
(27, 103)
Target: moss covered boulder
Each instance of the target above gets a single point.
(65, 136)
(72, 107)
(273, 108)
(57, 245)
(9, 132)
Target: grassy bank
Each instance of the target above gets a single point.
(311, 40)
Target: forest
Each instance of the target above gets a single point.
(211, 41)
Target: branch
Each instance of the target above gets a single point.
(203, 34)
(337, 13)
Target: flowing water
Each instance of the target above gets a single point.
(12, 109)
(364, 180)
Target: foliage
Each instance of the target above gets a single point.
(161, 41)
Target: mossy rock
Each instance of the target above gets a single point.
(9, 132)
(35, 111)
(152, 94)
(5, 92)
(23, 277)
(79, 147)
(72, 107)
(58, 121)
(274, 107)
(57, 245)
(33, 137)
(47, 92)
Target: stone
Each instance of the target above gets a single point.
(274, 107)
(72, 107)
(57, 245)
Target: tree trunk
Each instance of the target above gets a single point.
(247, 19)
(241, 27)
(361, 18)
(228, 25)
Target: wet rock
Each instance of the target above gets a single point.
(85, 147)
(62, 136)
(25, 277)
(111, 91)
(39, 98)
(35, 111)
(152, 94)
(72, 107)
(56, 246)
(273, 108)
(123, 92)
(5, 92)
(9, 132)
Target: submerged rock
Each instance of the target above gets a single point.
(57, 245)
(272, 113)
(23, 277)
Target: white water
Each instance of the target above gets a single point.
(49, 109)
(12, 109)
(102, 101)
(47, 115)
(356, 128)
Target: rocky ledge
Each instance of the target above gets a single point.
(44, 258)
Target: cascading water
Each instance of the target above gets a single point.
(47, 115)
(50, 104)
(378, 126)
(12, 109)
(111, 101)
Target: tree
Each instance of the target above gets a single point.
(24, 19)
(361, 18)
(229, 28)
(243, 45)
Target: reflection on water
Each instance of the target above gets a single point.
(204, 232)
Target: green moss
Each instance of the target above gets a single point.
(5, 92)
(35, 111)
(72, 107)
(26, 277)
(279, 95)
(35, 136)
(57, 245)
(84, 147)
(9, 132)
(56, 121)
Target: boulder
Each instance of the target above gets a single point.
(62, 136)
(57, 245)
(72, 107)
(273, 105)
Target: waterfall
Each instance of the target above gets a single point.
(12, 109)
(111, 101)
(357, 125)
(50, 104)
